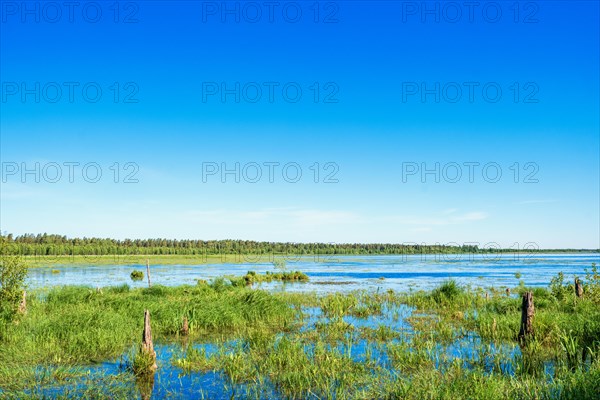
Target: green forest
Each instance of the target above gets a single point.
(60, 245)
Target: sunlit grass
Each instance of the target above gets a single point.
(448, 343)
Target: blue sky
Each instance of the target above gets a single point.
(368, 62)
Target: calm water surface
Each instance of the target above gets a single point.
(343, 273)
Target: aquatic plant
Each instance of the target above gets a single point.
(292, 276)
(448, 290)
(137, 275)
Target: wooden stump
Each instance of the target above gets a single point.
(148, 272)
(527, 313)
(185, 328)
(23, 304)
(147, 345)
(578, 288)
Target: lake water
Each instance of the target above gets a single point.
(342, 273)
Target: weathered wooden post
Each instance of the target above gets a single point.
(527, 313)
(23, 304)
(147, 345)
(148, 272)
(507, 292)
(578, 288)
(185, 329)
(487, 296)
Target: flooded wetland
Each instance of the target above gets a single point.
(352, 328)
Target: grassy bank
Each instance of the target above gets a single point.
(81, 260)
(443, 344)
(36, 261)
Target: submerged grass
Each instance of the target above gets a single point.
(452, 342)
(78, 325)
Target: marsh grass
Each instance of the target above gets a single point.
(79, 325)
(252, 277)
(453, 349)
(74, 386)
(444, 344)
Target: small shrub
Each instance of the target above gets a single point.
(137, 275)
(558, 288)
(13, 271)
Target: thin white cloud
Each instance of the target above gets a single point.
(291, 216)
(422, 229)
(11, 191)
(537, 201)
(313, 217)
(444, 219)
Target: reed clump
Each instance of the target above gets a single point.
(285, 276)
(136, 275)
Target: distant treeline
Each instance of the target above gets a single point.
(46, 244)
